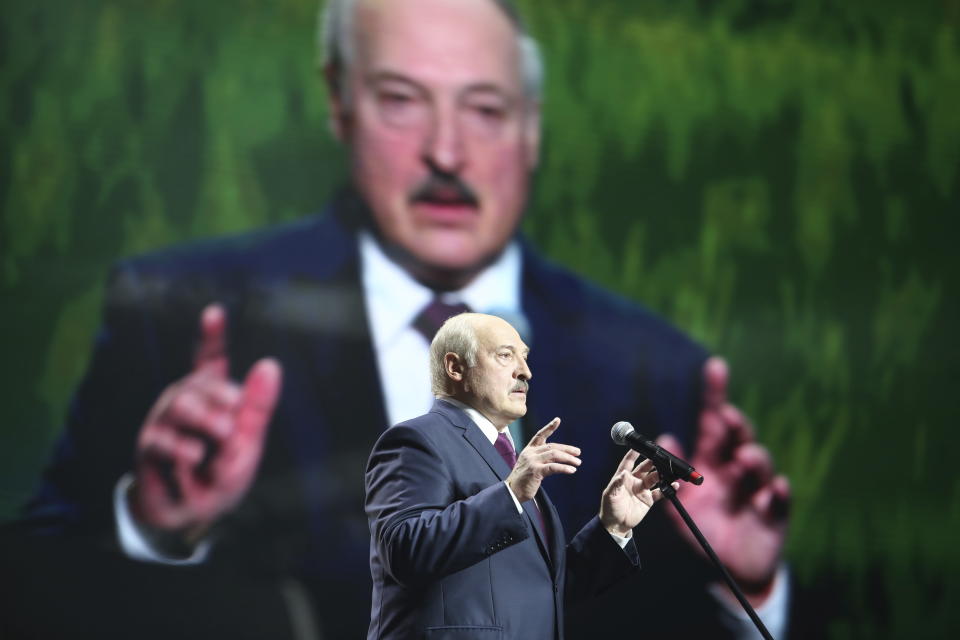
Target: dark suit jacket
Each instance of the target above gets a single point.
(293, 292)
(451, 557)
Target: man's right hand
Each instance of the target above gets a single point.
(540, 459)
(201, 443)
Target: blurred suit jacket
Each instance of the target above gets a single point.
(293, 292)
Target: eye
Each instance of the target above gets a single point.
(485, 115)
(400, 107)
(394, 97)
(489, 112)
(394, 100)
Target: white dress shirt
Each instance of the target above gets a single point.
(394, 299)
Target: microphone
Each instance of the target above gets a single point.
(623, 433)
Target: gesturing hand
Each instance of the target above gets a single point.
(629, 495)
(540, 459)
(201, 443)
(742, 507)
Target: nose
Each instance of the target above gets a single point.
(443, 148)
(523, 371)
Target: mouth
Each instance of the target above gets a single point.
(445, 212)
(443, 198)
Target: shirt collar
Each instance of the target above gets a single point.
(394, 298)
(487, 427)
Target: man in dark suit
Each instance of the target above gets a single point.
(166, 454)
(464, 542)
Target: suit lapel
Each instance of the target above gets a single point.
(310, 314)
(475, 438)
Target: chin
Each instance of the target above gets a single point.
(448, 250)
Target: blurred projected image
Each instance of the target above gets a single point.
(724, 224)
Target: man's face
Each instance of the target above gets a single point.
(442, 135)
(497, 386)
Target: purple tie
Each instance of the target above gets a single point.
(434, 315)
(505, 448)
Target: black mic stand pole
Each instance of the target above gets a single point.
(666, 478)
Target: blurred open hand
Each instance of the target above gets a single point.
(742, 507)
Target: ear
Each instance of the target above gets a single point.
(338, 117)
(531, 134)
(454, 367)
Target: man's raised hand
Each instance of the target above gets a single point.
(199, 448)
(629, 495)
(540, 459)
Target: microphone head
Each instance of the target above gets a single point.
(620, 431)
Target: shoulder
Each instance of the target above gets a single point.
(310, 244)
(268, 262)
(428, 430)
(583, 311)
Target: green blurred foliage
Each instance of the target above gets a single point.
(780, 179)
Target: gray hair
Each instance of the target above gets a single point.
(457, 335)
(336, 46)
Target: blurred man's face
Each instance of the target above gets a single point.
(442, 136)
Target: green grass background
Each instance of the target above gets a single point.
(780, 179)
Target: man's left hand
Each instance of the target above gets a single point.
(629, 495)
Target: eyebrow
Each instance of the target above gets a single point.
(387, 75)
(378, 77)
(526, 351)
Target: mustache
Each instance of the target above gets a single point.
(444, 188)
(521, 386)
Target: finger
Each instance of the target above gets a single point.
(217, 390)
(657, 494)
(715, 375)
(211, 354)
(541, 436)
(261, 389)
(737, 425)
(192, 410)
(616, 481)
(557, 467)
(755, 462)
(557, 446)
(772, 501)
(750, 470)
(164, 444)
(627, 461)
(644, 467)
(645, 480)
(558, 456)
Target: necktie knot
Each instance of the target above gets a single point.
(429, 320)
(505, 448)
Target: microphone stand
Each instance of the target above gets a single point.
(666, 478)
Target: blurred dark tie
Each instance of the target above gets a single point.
(434, 315)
